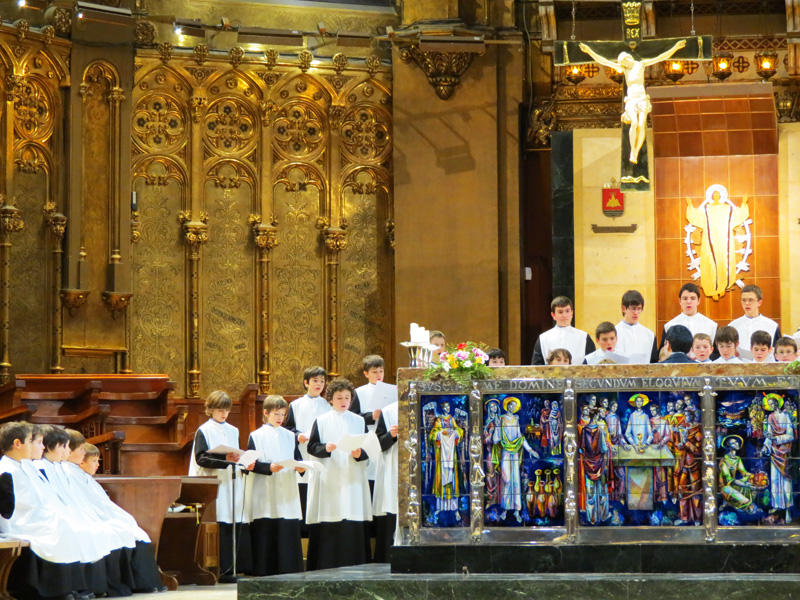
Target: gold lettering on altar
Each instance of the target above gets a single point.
(717, 219)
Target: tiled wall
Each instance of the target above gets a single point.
(700, 141)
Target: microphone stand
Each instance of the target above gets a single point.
(232, 578)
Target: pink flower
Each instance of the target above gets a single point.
(461, 355)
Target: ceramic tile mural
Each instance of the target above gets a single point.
(640, 459)
(757, 454)
(523, 460)
(445, 461)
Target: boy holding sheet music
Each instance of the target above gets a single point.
(339, 507)
(274, 499)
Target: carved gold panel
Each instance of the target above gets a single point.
(298, 303)
(227, 276)
(159, 306)
(28, 335)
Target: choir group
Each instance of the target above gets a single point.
(689, 337)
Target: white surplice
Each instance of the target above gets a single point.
(273, 496)
(222, 434)
(385, 497)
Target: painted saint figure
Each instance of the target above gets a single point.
(512, 442)
(717, 216)
(614, 428)
(491, 444)
(689, 475)
(779, 434)
(555, 428)
(639, 432)
(637, 102)
(661, 435)
(594, 449)
(446, 435)
(737, 491)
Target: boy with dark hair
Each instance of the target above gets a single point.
(563, 335)
(727, 341)
(786, 349)
(559, 357)
(695, 322)
(339, 504)
(300, 418)
(678, 342)
(497, 358)
(634, 340)
(373, 367)
(761, 347)
(606, 336)
(752, 320)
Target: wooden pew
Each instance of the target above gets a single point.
(175, 556)
(147, 499)
(66, 400)
(11, 407)
(9, 552)
(109, 445)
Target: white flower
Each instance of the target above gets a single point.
(466, 364)
(446, 366)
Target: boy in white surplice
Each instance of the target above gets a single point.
(339, 508)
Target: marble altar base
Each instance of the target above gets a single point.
(376, 582)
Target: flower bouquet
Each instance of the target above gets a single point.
(462, 363)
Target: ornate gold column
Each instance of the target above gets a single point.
(57, 223)
(10, 222)
(266, 238)
(196, 234)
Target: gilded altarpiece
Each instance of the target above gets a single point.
(264, 217)
(34, 68)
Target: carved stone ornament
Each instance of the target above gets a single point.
(62, 20)
(10, 219)
(200, 54)
(339, 63)
(390, 232)
(335, 239)
(443, 69)
(144, 33)
(236, 54)
(72, 300)
(304, 60)
(23, 28)
(543, 121)
(116, 302)
(271, 58)
(49, 34)
(196, 233)
(136, 235)
(373, 64)
(57, 224)
(165, 51)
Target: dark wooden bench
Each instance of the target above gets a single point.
(9, 552)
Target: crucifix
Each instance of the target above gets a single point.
(630, 56)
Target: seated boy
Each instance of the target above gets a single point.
(761, 347)
(702, 348)
(678, 342)
(497, 358)
(559, 357)
(727, 341)
(753, 320)
(634, 340)
(689, 298)
(606, 336)
(786, 349)
(563, 335)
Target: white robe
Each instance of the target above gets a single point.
(106, 537)
(635, 341)
(273, 496)
(342, 492)
(217, 434)
(385, 498)
(639, 424)
(747, 326)
(97, 499)
(305, 411)
(697, 323)
(568, 337)
(365, 394)
(733, 361)
(40, 518)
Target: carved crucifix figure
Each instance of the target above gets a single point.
(631, 56)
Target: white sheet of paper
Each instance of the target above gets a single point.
(384, 395)
(372, 445)
(249, 457)
(639, 359)
(349, 442)
(311, 465)
(617, 358)
(223, 449)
